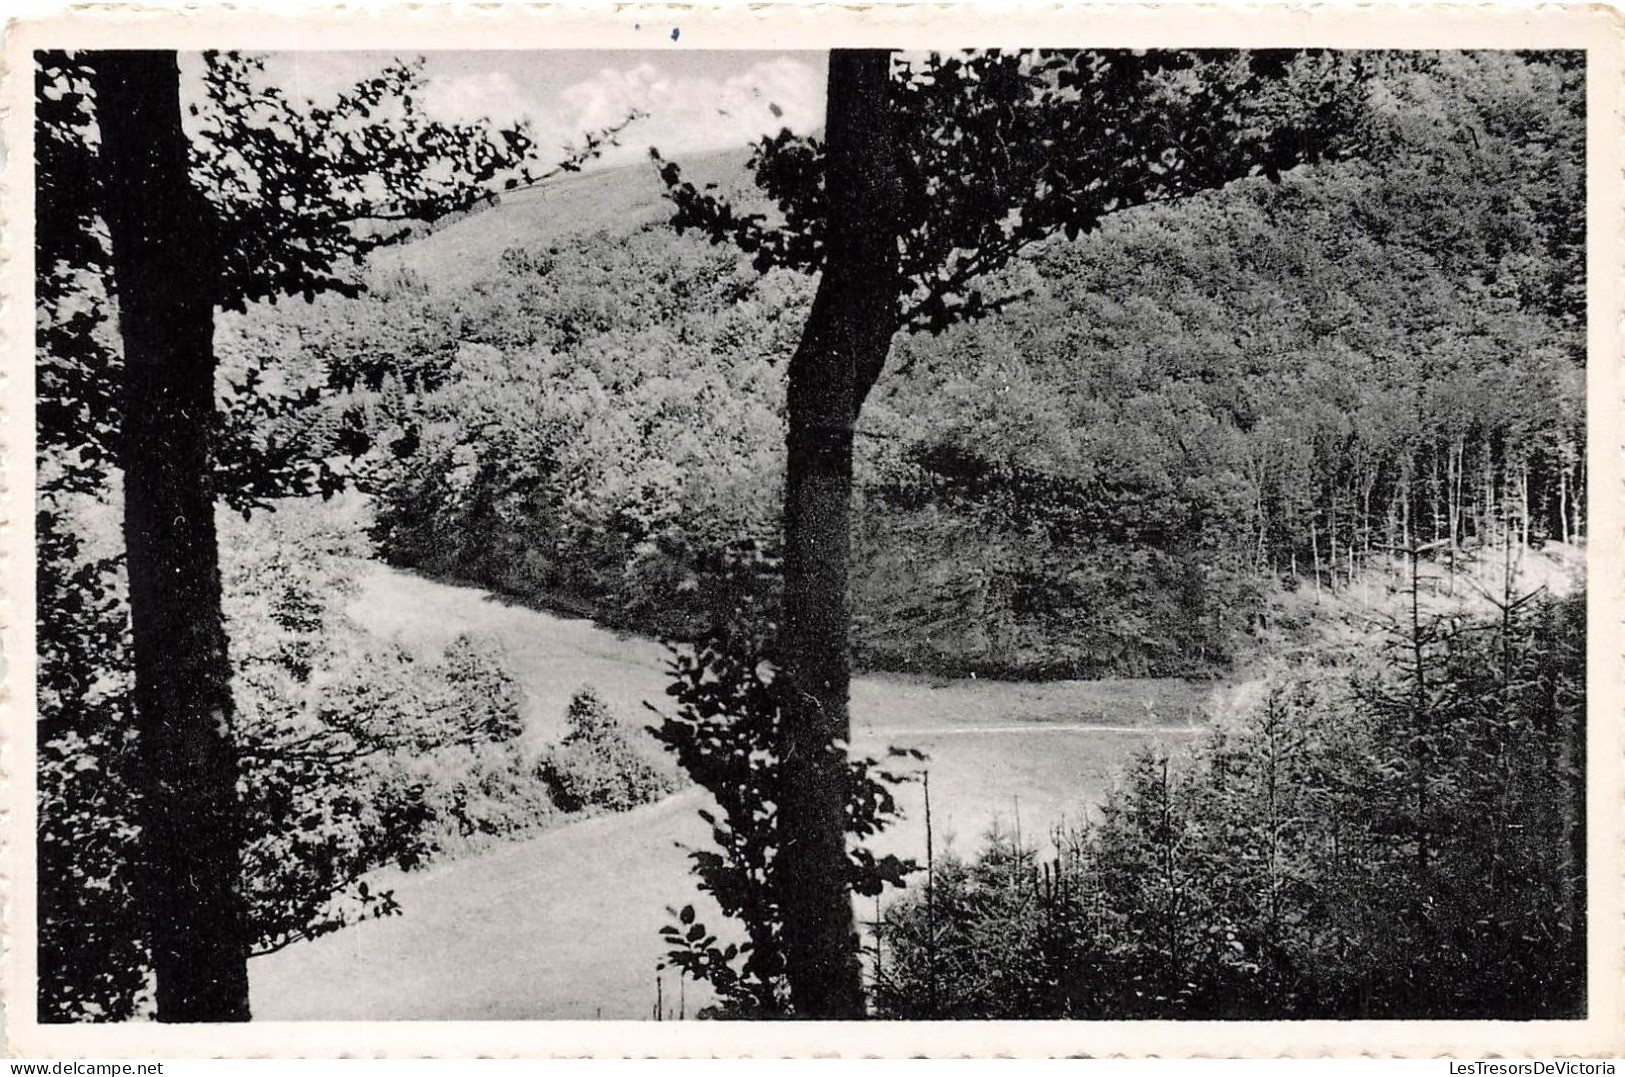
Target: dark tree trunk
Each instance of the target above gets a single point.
(190, 817)
(842, 351)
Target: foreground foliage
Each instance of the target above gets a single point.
(258, 198)
(724, 735)
(1395, 841)
(357, 754)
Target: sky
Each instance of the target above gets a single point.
(696, 101)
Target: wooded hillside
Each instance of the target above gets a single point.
(1199, 404)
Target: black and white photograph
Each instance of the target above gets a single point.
(691, 529)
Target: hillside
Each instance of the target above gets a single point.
(1191, 411)
(619, 200)
(564, 925)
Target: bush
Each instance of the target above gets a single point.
(597, 765)
(466, 797)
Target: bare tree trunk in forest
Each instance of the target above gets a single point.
(1331, 535)
(1435, 493)
(1368, 482)
(1464, 497)
(1453, 506)
(1523, 501)
(1580, 475)
(1314, 549)
(842, 350)
(1563, 501)
(1405, 504)
(1259, 475)
(190, 815)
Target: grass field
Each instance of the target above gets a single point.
(551, 656)
(564, 925)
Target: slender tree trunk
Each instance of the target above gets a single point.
(1436, 493)
(1406, 502)
(1523, 501)
(1261, 516)
(848, 334)
(1331, 535)
(1314, 549)
(1453, 506)
(1464, 496)
(1367, 483)
(1562, 501)
(1580, 476)
(190, 817)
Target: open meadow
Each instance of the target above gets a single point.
(565, 924)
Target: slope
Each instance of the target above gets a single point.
(565, 925)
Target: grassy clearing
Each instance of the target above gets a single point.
(617, 200)
(551, 656)
(1030, 780)
(560, 926)
(564, 925)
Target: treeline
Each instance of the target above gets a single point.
(1404, 840)
(1199, 403)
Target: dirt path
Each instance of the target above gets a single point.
(564, 925)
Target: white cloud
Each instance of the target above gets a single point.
(493, 95)
(689, 113)
(691, 109)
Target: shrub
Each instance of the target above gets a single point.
(597, 765)
(466, 797)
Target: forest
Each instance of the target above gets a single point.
(1257, 387)
(1309, 423)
